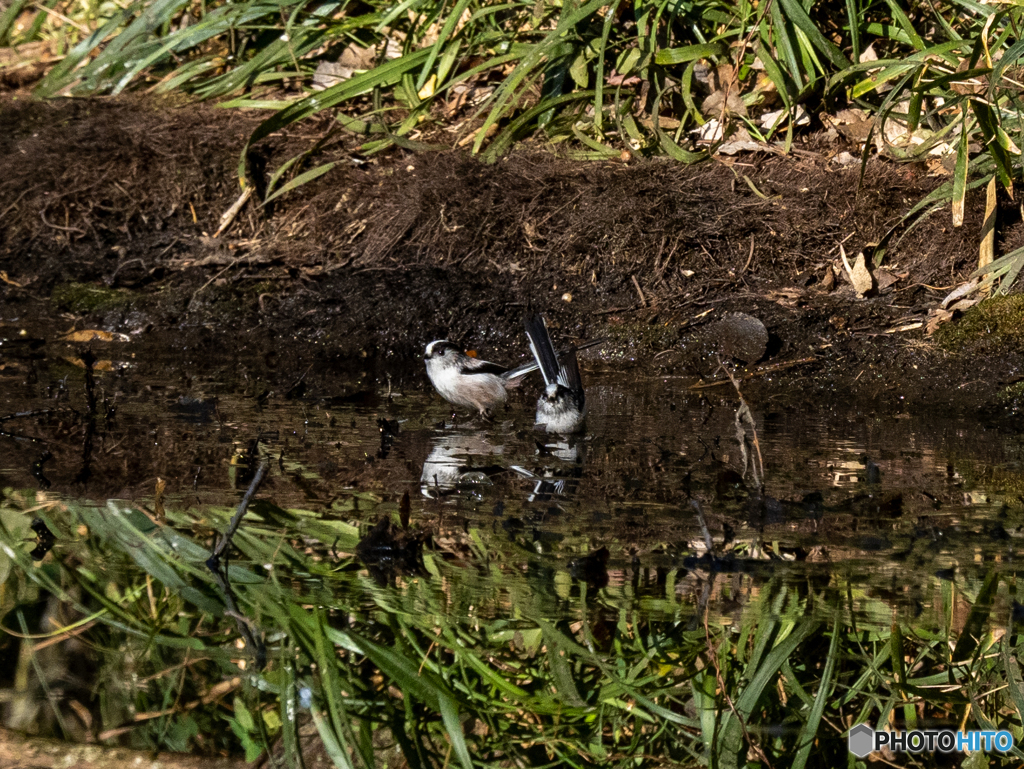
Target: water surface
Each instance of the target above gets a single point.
(891, 507)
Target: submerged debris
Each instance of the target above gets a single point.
(389, 550)
(37, 470)
(45, 539)
(389, 429)
(592, 568)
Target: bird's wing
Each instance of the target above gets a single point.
(543, 350)
(477, 366)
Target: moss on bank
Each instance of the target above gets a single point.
(998, 322)
(81, 298)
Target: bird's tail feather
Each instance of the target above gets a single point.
(543, 349)
(569, 373)
(512, 376)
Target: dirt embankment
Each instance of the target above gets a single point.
(108, 210)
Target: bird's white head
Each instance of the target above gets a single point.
(439, 348)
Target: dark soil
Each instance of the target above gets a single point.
(108, 209)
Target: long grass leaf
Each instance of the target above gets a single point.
(809, 732)
(796, 13)
(536, 54)
(303, 178)
(443, 38)
(1002, 263)
(688, 53)
(61, 76)
(905, 25)
(960, 178)
(731, 730)
(853, 22)
(606, 30)
(7, 19)
(504, 140)
(967, 644)
(450, 716)
(329, 738)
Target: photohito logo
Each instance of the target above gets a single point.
(862, 740)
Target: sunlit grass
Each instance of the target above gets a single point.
(660, 78)
(606, 76)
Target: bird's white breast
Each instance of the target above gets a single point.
(480, 391)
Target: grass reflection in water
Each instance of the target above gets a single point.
(426, 665)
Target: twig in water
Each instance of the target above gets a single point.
(220, 576)
(214, 560)
(744, 419)
(703, 527)
(20, 414)
(751, 374)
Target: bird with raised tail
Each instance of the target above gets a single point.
(562, 407)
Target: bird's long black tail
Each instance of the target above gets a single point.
(570, 371)
(543, 349)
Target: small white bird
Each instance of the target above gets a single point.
(470, 382)
(563, 406)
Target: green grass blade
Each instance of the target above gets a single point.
(298, 181)
(442, 39)
(1002, 263)
(796, 13)
(7, 19)
(905, 25)
(967, 644)
(809, 731)
(61, 76)
(668, 56)
(730, 742)
(606, 30)
(536, 54)
(386, 74)
(853, 20)
(779, 40)
(504, 140)
(329, 737)
(988, 122)
(450, 715)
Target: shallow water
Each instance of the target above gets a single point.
(885, 509)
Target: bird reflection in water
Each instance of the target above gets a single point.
(459, 461)
(469, 461)
(559, 479)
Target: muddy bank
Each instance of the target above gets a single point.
(108, 210)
